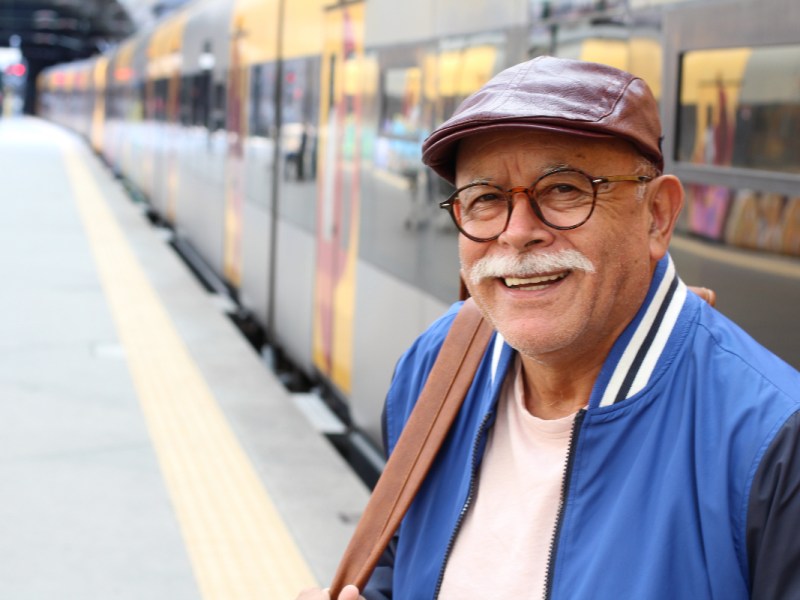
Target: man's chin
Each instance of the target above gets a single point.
(533, 337)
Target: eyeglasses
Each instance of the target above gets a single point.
(562, 199)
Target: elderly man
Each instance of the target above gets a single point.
(621, 439)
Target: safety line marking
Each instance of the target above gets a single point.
(237, 542)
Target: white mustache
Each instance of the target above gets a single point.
(525, 265)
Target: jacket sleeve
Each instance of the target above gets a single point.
(773, 518)
(379, 586)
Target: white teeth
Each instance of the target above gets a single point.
(533, 281)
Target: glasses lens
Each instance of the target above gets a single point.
(481, 210)
(564, 197)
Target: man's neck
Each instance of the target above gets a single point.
(554, 392)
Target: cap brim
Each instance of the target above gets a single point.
(442, 146)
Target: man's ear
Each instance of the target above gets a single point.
(665, 203)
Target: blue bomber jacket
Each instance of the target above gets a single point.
(683, 474)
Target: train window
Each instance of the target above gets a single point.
(461, 71)
(141, 98)
(186, 100)
(199, 98)
(218, 113)
(401, 126)
(255, 108)
(111, 101)
(160, 89)
(300, 103)
(740, 107)
(545, 9)
(299, 110)
(262, 100)
(400, 102)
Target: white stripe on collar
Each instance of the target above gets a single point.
(657, 347)
(640, 357)
(497, 351)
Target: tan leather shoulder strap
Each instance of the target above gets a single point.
(422, 436)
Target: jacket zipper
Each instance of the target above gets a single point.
(562, 505)
(467, 503)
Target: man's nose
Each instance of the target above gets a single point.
(524, 226)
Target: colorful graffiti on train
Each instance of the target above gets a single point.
(338, 193)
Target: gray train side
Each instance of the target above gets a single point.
(280, 140)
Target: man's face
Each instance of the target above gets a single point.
(581, 307)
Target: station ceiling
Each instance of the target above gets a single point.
(51, 31)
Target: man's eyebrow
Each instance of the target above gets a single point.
(557, 167)
(547, 169)
(475, 180)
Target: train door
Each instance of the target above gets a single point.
(234, 161)
(99, 111)
(338, 200)
(172, 132)
(121, 79)
(164, 67)
(148, 127)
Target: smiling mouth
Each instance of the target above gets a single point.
(533, 283)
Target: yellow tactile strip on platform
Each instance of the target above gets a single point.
(238, 544)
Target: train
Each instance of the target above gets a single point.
(280, 141)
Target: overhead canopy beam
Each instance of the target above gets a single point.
(62, 30)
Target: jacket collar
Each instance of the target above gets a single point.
(631, 363)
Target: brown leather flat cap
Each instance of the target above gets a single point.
(553, 94)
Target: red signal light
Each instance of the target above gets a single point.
(17, 69)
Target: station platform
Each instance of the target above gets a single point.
(146, 450)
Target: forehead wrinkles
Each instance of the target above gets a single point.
(530, 153)
(489, 157)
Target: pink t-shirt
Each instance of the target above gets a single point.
(502, 548)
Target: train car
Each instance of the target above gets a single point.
(65, 95)
(732, 140)
(123, 106)
(99, 75)
(281, 141)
